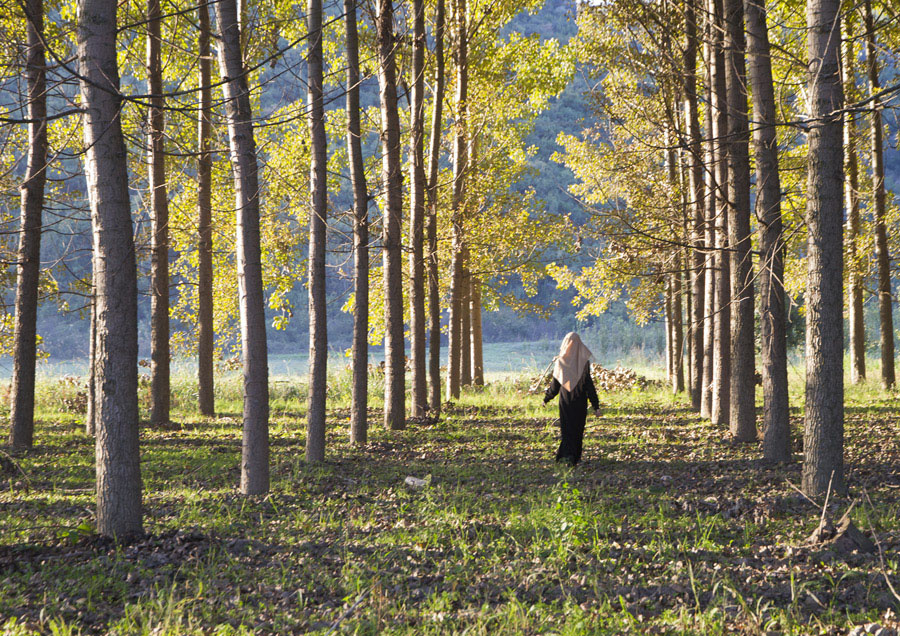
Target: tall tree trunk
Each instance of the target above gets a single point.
(466, 300)
(742, 421)
(115, 275)
(90, 417)
(468, 349)
(776, 424)
(668, 300)
(684, 259)
(28, 269)
(454, 321)
(460, 165)
(477, 340)
(243, 27)
(359, 424)
(392, 180)
(882, 255)
(417, 213)
(678, 331)
(465, 378)
(160, 396)
(689, 312)
(851, 194)
(709, 270)
(721, 389)
(823, 438)
(674, 308)
(318, 184)
(709, 313)
(434, 304)
(205, 328)
(670, 331)
(255, 444)
(696, 194)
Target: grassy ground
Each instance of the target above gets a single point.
(665, 528)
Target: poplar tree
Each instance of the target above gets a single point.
(709, 228)
(882, 252)
(856, 319)
(460, 164)
(239, 117)
(318, 336)
(392, 184)
(28, 266)
(359, 425)
(823, 438)
(721, 371)
(205, 328)
(115, 275)
(434, 154)
(776, 424)
(160, 395)
(742, 419)
(417, 213)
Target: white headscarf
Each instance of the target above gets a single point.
(570, 363)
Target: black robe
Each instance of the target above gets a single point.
(572, 414)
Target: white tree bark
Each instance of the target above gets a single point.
(318, 334)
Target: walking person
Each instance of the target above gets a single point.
(572, 381)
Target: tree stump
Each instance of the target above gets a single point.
(845, 537)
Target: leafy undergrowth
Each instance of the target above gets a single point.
(665, 528)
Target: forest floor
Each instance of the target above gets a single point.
(666, 527)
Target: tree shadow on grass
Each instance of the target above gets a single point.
(486, 483)
(887, 410)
